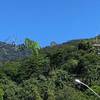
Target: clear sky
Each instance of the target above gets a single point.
(49, 20)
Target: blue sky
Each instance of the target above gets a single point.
(49, 20)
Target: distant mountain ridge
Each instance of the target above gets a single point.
(13, 52)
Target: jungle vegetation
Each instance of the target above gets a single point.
(49, 73)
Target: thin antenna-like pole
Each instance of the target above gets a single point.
(78, 81)
(97, 38)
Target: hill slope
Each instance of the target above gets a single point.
(50, 74)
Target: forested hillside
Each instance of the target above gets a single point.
(49, 73)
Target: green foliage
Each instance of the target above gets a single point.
(11, 69)
(68, 93)
(30, 90)
(49, 73)
(51, 95)
(1, 92)
(34, 46)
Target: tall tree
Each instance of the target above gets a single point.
(34, 46)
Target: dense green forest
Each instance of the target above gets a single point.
(49, 73)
